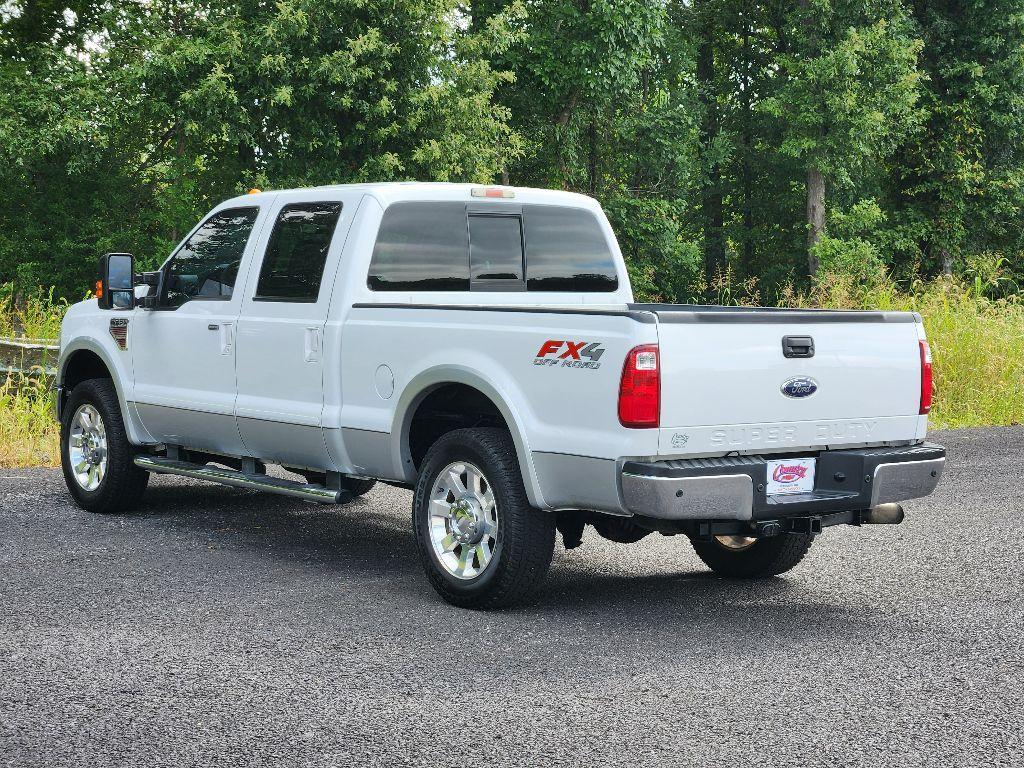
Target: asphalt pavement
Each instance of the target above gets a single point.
(224, 627)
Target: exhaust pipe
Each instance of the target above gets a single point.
(884, 514)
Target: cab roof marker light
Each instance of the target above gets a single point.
(492, 192)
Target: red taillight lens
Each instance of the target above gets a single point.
(640, 389)
(927, 388)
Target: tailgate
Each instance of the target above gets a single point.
(728, 384)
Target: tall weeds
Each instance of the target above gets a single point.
(36, 315)
(977, 342)
(29, 436)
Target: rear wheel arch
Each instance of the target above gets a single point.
(463, 387)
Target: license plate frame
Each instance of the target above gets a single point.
(790, 476)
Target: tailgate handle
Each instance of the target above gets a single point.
(797, 346)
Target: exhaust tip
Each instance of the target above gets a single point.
(885, 514)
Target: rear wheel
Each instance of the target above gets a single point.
(744, 557)
(97, 459)
(481, 543)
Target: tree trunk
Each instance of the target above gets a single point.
(815, 216)
(592, 156)
(711, 197)
(947, 261)
(748, 151)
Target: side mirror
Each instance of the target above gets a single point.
(116, 287)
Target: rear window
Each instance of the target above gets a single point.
(495, 249)
(566, 250)
(421, 247)
(442, 246)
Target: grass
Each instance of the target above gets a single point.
(36, 315)
(29, 436)
(977, 344)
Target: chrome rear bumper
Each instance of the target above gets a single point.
(733, 488)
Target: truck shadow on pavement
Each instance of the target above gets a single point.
(370, 540)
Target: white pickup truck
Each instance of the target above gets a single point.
(480, 345)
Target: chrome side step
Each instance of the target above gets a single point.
(257, 482)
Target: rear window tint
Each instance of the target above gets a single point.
(566, 250)
(495, 247)
(421, 247)
(439, 246)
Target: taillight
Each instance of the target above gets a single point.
(640, 388)
(927, 388)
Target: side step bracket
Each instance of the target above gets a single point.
(257, 482)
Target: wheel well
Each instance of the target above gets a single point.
(447, 408)
(83, 365)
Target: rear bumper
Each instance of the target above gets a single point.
(733, 488)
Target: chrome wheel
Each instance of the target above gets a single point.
(87, 447)
(736, 543)
(463, 520)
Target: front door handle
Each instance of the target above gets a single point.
(227, 337)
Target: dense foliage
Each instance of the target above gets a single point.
(760, 141)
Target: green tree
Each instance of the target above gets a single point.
(122, 136)
(847, 94)
(959, 186)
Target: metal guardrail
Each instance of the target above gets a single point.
(28, 356)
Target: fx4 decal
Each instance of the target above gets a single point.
(569, 354)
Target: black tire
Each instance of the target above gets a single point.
(761, 560)
(123, 483)
(525, 536)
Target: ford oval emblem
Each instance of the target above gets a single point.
(801, 386)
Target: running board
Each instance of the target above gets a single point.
(307, 491)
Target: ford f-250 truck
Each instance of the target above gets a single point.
(481, 346)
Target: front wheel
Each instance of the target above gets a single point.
(744, 557)
(97, 459)
(481, 543)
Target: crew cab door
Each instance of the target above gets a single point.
(183, 350)
(279, 346)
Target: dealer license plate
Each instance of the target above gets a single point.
(790, 476)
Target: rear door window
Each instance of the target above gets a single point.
(206, 266)
(496, 251)
(293, 266)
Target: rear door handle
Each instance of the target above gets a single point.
(797, 346)
(312, 345)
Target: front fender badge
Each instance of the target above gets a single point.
(119, 332)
